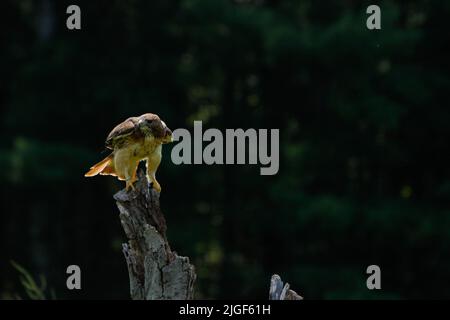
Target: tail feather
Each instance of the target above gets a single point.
(104, 167)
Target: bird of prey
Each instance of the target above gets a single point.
(135, 139)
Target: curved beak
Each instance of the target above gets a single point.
(167, 135)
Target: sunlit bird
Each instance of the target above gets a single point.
(135, 139)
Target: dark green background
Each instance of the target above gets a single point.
(364, 133)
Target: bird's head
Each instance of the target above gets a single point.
(151, 125)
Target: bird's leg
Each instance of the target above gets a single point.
(131, 177)
(156, 184)
(152, 166)
(129, 184)
(152, 179)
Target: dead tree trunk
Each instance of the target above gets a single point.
(156, 272)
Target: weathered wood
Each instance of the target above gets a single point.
(155, 271)
(279, 292)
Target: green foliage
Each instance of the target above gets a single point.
(33, 290)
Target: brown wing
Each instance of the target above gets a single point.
(120, 134)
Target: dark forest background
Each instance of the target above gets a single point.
(364, 132)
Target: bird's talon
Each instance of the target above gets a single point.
(156, 187)
(129, 185)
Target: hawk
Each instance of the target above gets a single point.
(135, 139)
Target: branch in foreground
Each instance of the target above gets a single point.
(156, 272)
(279, 292)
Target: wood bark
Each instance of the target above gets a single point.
(155, 271)
(278, 291)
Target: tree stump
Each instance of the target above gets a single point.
(155, 271)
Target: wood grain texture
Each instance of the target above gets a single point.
(278, 291)
(155, 271)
